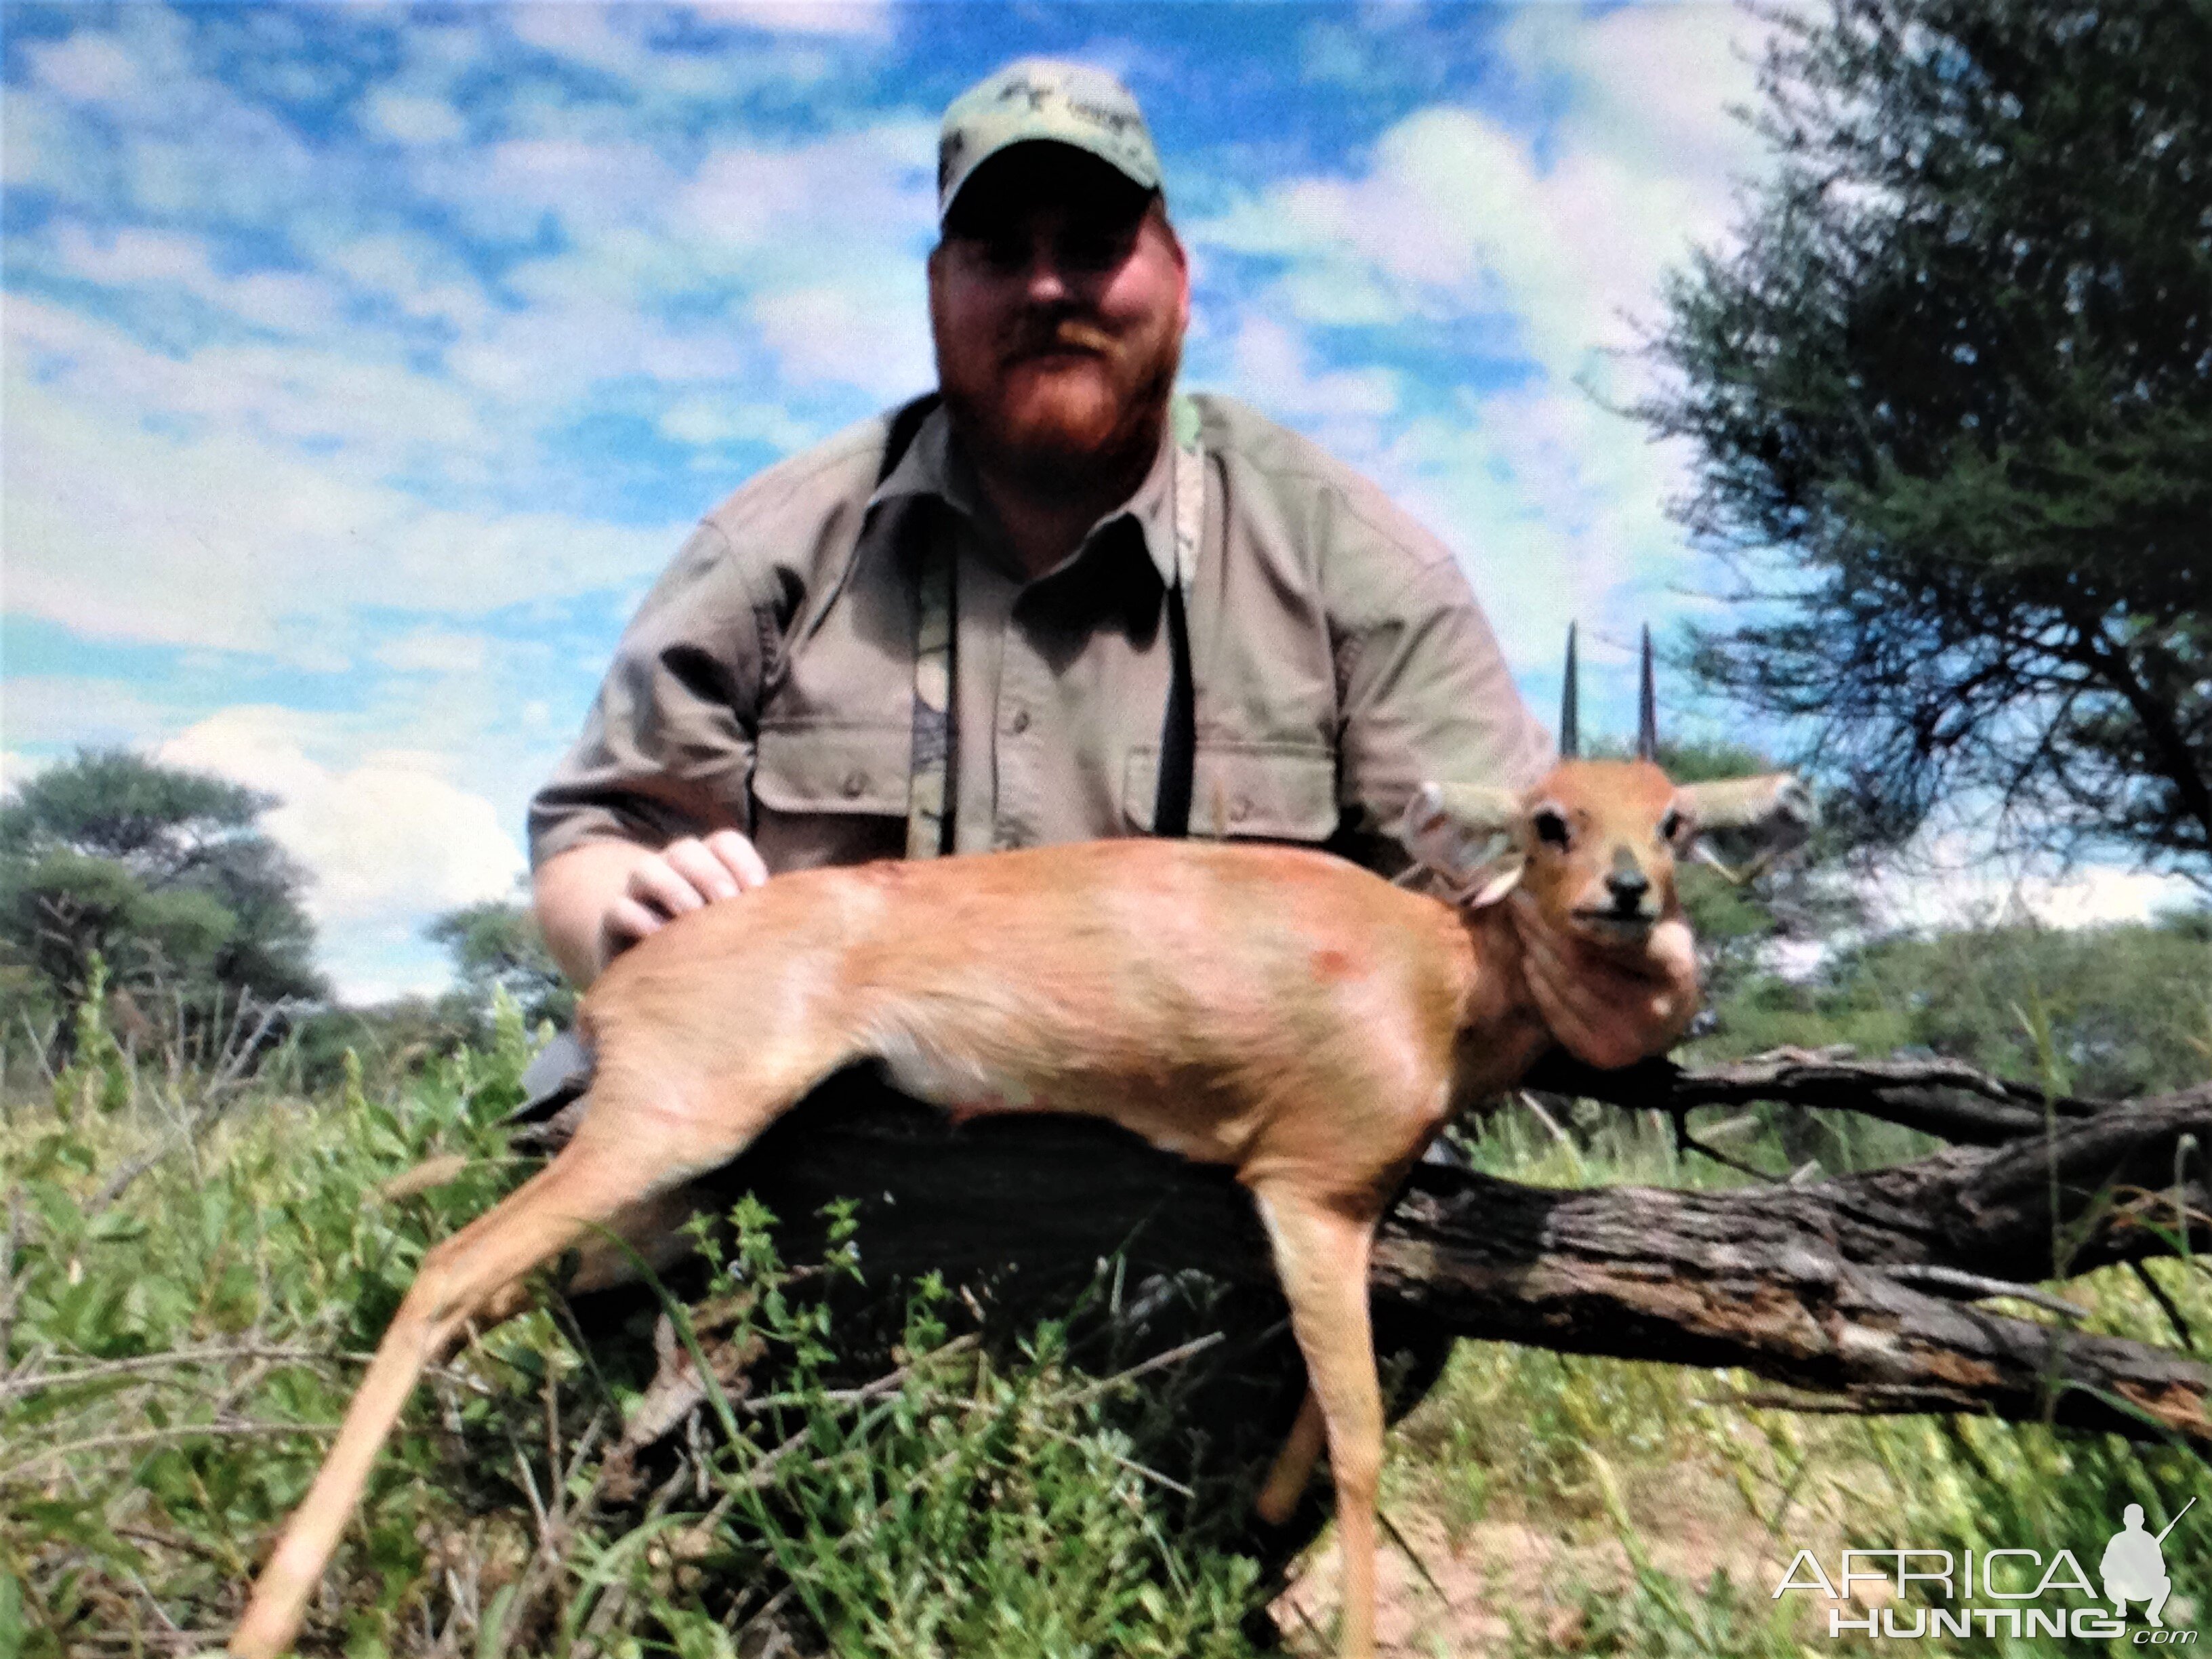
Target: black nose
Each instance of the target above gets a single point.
(1628, 886)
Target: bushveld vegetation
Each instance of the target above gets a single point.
(196, 1261)
(1951, 404)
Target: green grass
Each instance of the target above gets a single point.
(173, 1359)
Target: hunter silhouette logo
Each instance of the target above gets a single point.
(2134, 1567)
(2011, 1592)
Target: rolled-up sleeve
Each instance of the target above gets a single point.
(667, 749)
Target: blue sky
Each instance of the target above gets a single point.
(362, 364)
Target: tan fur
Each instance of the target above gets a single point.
(1277, 1011)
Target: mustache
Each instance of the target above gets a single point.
(1062, 334)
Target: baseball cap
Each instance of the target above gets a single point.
(1040, 98)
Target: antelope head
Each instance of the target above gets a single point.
(1597, 842)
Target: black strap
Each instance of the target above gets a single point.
(1179, 731)
(925, 538)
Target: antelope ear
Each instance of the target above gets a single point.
(1749, 821)
(1468, 835)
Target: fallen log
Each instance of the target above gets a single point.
(1861, 1291)
(1947, 1098)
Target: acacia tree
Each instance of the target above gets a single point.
(1951, 401)
(496, 945)
(160, 872)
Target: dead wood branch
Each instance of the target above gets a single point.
(1862, 1289)
(1947, 1098)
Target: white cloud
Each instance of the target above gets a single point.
(1589, 471)
(435, 651)
(1950, 878)
(1458, 213)
(1545, 245)
(162, 141)
(88, 68)
(373, 965)
(1529, 572)
(418, 276)
(610, 39)
(135, 256)
(618, 42)
(704, 420)
(2102, 895)
(543, 361)
(413, 118)
(868, 19)
(830, 200)
(219, 539)
(1649, 156)
(17, 769)
(362, 418)
(589, 184)
(638, 224)
(289, 303)
(388, 840)
(811, 254)
(1652, 80)
(1345, 411)
(842, 336)
(1456, 217)
(66, 708)
(1273, 366)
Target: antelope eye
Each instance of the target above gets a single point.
(1671, 825)
(1551, 825)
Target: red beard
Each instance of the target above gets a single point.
(1064, 406)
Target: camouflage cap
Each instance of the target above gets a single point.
(1040, 98)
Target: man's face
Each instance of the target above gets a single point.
(1058, 299)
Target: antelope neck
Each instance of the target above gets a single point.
(1498, 1006)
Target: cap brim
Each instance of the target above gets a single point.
(1040, 170)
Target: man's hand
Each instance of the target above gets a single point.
(597, 899)
(1605, 1010)
(683, 876)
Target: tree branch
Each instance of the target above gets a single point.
(1916, 1094)
(1833, 1287)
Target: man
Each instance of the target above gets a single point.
(2134, 1567)
(1064, 604)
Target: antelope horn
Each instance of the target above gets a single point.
(1647, 709)
(1571, 739)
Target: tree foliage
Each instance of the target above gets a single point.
(160, 873)
(1952, 405)
(496, 945)
(2109, 1012)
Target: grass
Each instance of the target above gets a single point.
(175, 1354)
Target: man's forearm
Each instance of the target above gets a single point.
(574, 891)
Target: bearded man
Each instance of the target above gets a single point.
(1053, 601)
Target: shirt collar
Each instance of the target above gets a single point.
(933, 465)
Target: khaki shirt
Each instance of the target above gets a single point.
(767, 683)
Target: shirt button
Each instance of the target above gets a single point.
(854, 783)
(1020, 723)
(1240, 809)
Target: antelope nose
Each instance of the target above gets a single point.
(1627, 882)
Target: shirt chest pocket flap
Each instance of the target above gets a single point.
(811, 769)
(1259, 792)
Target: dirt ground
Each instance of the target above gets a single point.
(1463, 1599)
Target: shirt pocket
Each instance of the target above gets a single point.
(1247, 791)
(828, 793)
